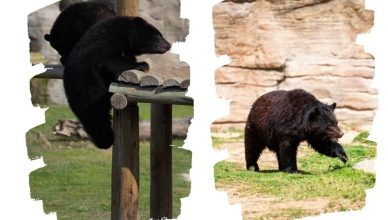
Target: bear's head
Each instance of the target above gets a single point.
(322, 124)
(323, 131)
(72, 23)
(145, 39)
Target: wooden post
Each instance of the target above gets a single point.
(128, 7)
(125, 154)
(161, 161)
(125, 164)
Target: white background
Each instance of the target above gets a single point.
(18, 115)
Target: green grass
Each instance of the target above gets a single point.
(75, 182)
(362, 138)
(323, 177)
(178, 111)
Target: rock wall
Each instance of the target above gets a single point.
(165, 15)
(287, 44)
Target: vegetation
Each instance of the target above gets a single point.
(338, 186)
(322, 177)
(75, 183)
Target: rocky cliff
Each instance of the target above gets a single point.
(287, 44)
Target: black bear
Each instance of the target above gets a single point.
(280, 120)
(107, 48)
(72, 23)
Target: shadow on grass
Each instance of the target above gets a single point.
(278, 171)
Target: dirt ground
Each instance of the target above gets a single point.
(262, 206)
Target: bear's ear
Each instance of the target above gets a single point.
(139, 20)
(313, 114)
(47, 37)
(332, 106)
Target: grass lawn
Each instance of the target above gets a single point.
(338, 186)
(75, 183)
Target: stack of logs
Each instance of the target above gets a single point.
(139, 87)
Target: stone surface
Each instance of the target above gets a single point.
(366, 165)
(284, 44)
(40, 23)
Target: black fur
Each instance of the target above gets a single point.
(72, 23)
(97, 60)
(280, 120)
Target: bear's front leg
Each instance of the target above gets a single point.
(142, 66)
(115, 66)
(339, 152)
(287, 157)
(331, 149)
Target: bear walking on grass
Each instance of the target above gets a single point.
(106, 49)
(280, 120)
(72, 23)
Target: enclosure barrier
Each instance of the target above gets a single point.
(125, 159)
(137, 87)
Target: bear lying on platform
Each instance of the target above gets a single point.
(280, 120)
(72, 23)
(106, 49)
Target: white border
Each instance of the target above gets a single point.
(204, 202)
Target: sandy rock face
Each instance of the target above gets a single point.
(284, 44)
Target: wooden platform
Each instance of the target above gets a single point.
(136, 87)
(132, 87)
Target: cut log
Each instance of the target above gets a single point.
(151, 80)
(131, 76)
(152, 95)
(185, 84)
(118, 101)
(70, 128)
(173, 82)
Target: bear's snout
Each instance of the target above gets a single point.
(335, 133)
(165, 46)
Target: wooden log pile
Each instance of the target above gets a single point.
(137, 86)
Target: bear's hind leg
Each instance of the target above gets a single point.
(253, 148)
(97, 123)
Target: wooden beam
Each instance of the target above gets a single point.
(128, 7)
(136, 93)
(125, 154)
(52, 72)
(161, 161)
(125, 164)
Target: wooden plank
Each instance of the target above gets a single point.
(128, 7)
(131, 76)
(161, 161)
(125, 164)
(151, 80)
(152, 95)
